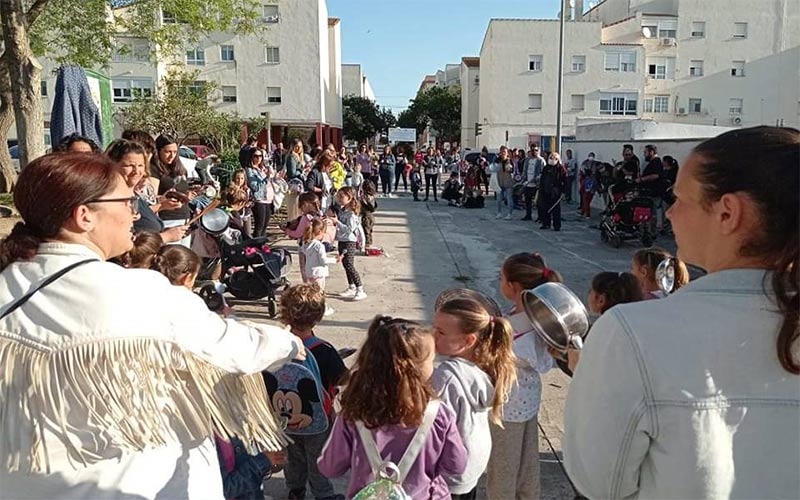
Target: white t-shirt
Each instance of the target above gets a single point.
(532, 360)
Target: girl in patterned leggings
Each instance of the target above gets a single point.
(348, 225)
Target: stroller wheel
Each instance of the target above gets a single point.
(604, 235)
(616, 241)
(647, 240)
(272, 308)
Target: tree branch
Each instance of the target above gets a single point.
(35, 11)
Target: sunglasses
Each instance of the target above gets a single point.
(132, 201)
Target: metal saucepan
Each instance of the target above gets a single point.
(215, 221)
(557, 314)
(665, 275)
(465, 293)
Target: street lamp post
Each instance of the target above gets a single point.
(559, 108)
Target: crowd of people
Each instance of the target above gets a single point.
(109, 393)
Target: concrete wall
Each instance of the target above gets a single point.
(333, 99)
(352, 80)
(470, 93)
(506, 80)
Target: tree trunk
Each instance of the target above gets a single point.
(25, 74)
(8, 175)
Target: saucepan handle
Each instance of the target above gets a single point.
(576, 341)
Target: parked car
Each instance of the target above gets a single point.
(187, 152)
(472, 157)
(14, 150)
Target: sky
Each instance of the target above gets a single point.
(398, 42)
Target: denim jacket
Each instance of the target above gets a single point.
(260, 184)
(684, 397)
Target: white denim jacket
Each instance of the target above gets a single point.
(684, 398)
(108, 375)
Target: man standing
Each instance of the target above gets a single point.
(650, 184)
(571, 165)
(530, 174)
(247, 151)
(279, 156)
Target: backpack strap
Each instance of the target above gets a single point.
(371, 449)
(13, 307)
(418, 441)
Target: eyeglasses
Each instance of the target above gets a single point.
(258, 156)
(132, 201)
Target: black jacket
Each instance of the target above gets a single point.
(315, 179)
(552, 181)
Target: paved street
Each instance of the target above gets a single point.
(432, 247)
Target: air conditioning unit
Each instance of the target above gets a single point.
(668, 42)
(477, 79)
(736, 120)
(681, 111)
(271, 19)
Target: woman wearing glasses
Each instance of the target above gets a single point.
(100, 400)
(130, 158)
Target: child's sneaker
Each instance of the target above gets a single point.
(350, 292)
(507, 217)
(329, 310)
(360, 294)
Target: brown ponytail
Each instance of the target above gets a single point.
(771, 180)
(529, 270)
(48, 191)
(649, 260)
(493, 350)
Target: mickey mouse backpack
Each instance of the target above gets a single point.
(387, 478)
(298, 397)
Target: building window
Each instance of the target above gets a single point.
(696, 68)
(620, 61)
(695, 106)
(657, 71)
(197, 86)
(43, 89)
(618, 104)
(134, 51)
(698, 29)
(273, 95)
(535, 101)
(128, 90)
(649, 30)
(271, 14)
(738, 68)
(535, 63)
(667, 29)
(196, 57)
(228, 93)
(578, 102)
(578, 64)
(273, 55)
(739, 30)
(227, 53)
(661, 104)
(735, 106)
(168, 17)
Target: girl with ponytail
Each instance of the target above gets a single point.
(514, 464)
(474, 378)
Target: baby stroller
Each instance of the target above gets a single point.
(251, 270)
(627, 218)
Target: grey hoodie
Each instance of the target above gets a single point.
(469, 392)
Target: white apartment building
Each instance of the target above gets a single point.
(518, 87)
(355, 82)
(293, 72)
(717, 62)
(470, 76)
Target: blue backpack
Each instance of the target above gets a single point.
(297, 395)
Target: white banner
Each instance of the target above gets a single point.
(402, 135)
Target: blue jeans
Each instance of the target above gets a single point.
(505, 194)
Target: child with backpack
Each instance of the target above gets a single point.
(369, 204)
(302, 308)
(513, 470)
(389, 413)
(475, 376)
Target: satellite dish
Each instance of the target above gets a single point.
(647, 32)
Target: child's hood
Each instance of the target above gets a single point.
(474, 382)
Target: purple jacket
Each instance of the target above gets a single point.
(443, 455)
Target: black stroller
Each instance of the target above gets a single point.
(251, 270)
(628, 217)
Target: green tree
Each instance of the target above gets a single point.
(437, 107)
(360, 118)
(82, 32)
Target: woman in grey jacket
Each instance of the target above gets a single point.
(684, 397)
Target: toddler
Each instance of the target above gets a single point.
(369, 204)
(348, 225)
(316, 259)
